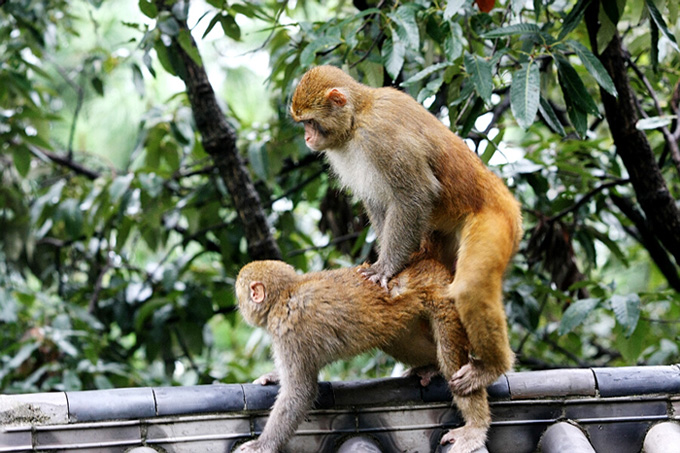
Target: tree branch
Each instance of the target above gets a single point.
(65, 161)
(587, 198)
(671, 141)
(646, 237)
(632, 145)
(219, 141)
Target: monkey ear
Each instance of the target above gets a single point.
(337, 97)
(257, 292)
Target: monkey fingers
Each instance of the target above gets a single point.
(268, 378)
(253, 447)
(471, 376)
(465, 439)
(375, 275)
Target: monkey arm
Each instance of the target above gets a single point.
(298, 379)
(405, 224)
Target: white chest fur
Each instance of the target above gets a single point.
(358, 173)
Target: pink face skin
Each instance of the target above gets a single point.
(313, 138)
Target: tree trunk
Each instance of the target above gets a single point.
(219, 141)
(632, 145)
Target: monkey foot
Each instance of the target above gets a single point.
(465, 439)
(254, 446)
(373, 274)
(425, 373)
(267, 379)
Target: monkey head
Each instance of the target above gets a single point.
(324, 102)
(259, 285)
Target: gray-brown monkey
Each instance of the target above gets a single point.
(320, 317)
(420, 183)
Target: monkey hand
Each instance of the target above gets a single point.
(470, 377)
(376, 274)
(253, 446)
(268, 378)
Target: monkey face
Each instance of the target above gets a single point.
(315, 135)
(322, 103)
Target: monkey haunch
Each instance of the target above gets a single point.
(317, 318)
(421, 186)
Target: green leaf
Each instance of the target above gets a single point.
(453, 43)
(574, 18)
(407, 26)
(230, 27)
(594, 67)
(631, 347)
(661, 23)
(525, 94)
(654, 48)
(606, 31)
(148, 9)
(517, 6)
(211, 25)
(259, 160)
(480, 72)
(425, 72)
(654, 122)
(169, 25)
(550, 117)
(452, 8)
(627, 311)
(22, 159)
(393, 53)
(98, 85)
(374, 72)
(187, 44)
(613, 10)
(318, 45)
(576, 313)
(164, 58)
(573, 88)
(512, 30)
(119, 186)
(69, 211)
(138, 80)
(579, 119)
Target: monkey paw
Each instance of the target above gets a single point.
(471, 376)
(253, 446)
(268, 379)
(425, 373)
(466, 439)
(376, 275)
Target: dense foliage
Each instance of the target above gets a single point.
(123, 227)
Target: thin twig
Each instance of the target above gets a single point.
(65, 161)
(587, 197)
(671, 141)
(334, 241)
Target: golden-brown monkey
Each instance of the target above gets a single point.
(420, 184)
(317, 318)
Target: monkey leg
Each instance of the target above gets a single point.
(487, 243)
(472, 436)
(453, 352)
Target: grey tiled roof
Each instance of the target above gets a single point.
(613, 408)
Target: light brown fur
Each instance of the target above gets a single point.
(320, 317)
(422, 188)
